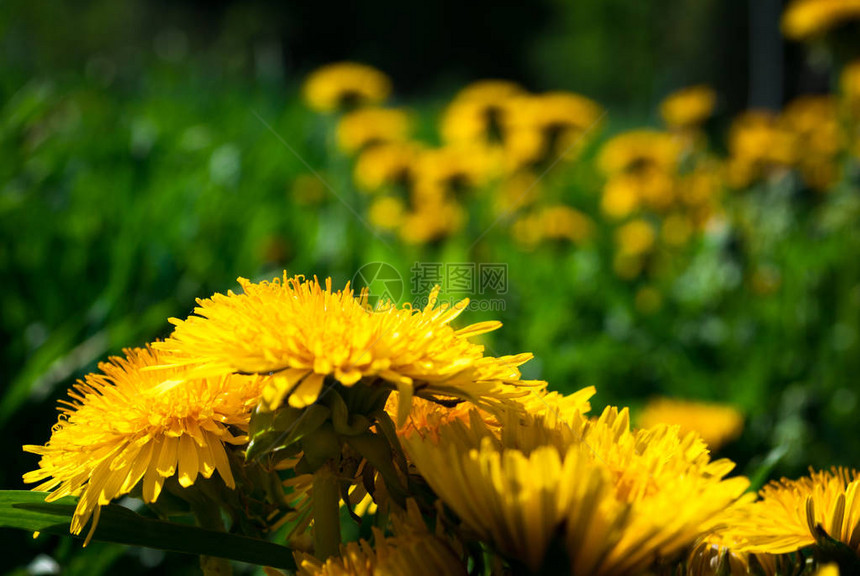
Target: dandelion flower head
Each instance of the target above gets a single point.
(136, 423)
(298, 332)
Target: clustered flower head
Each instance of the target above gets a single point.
(295, 333)
(139, 424)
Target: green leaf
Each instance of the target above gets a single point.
(28, 511)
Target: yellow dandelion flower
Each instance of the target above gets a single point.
(815, 122)
(300, 333)
(555, 222)
(804, 19)
(343, 85)
(368, 126)
(620, 196)
(434, 217)
(655, 188)
(689, 107)
(134, 424)
(543, 127)
(640, 149)
(477, 114)
(387, 165)
(619, 500)
(386, 213)
(565, 223)
(457, 167)
(717, 424)
(635, 238)
(412, 554)
(758, 145)
(792, 512)
(701, 186)
(831, 569)
(639, 459)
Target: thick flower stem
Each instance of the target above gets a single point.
(326, 510)
(208, 515)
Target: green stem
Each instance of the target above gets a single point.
(326, 510)
(208, 515)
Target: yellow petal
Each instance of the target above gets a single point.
(188, 461)
(167, 456)
(308, 391)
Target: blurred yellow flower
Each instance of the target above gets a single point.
(640, 149)
(758, 144)
(702, 185)
(345, 85)
(387, 165)
(635, 238)
(367, 126)
(815, 123)
(387, 212)
(298, 333)
(477, 113)
(620, 196)
(136, 424)
(434, 217)
(655, 188)
(457, 167)
(554, 222)
(565, 223)
(550, 126)
(689, 107)
(791, 511)
(717, 424)
(804, 19)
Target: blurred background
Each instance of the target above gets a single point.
(153, 152)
